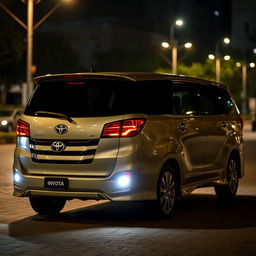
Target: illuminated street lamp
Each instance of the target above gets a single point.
(175, 53)
(165, 44)
(238, 64)
(227, 57)
(188, 45)
(30, 27)
(211, 56)
(252, 65)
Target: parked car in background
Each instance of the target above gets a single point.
(8, 119)
(126, 137)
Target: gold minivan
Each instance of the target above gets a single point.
(126, 137)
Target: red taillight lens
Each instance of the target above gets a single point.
(131, 127)
(75, 83)
(125, 128)
(22, 128)
(112, 129)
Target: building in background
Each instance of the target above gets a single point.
(244, 26)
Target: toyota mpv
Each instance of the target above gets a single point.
(126, 137)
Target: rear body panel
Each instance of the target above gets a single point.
(85, 154)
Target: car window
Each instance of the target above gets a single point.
(185, 100)
(154, 97)
(214, 100)
(98, 97)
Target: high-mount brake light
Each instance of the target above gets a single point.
(75, 83)
(73, 76)
(124, 128)
(23, 128)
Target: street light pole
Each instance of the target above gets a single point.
(30, 18)
(30, 29)
(217, 63)
(244, 87)
(174, 57)
(174, 45)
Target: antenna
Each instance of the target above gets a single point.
(92, 69)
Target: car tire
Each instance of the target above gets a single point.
(166, 191)
(228, 191)
(47, 205)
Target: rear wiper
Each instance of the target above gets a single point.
(55, 114)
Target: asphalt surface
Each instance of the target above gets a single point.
(200, 226)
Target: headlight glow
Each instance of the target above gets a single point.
(4, 122)
(124, 180)
(17, 177)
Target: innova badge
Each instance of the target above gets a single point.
(61, 129)
(58, 146)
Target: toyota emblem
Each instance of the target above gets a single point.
(61, 129)
(58, 146)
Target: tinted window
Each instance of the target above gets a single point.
(214, 101)
(185, 100)
(223, 101)
(97, 97)
(154, 97)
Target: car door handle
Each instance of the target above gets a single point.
(182, 127)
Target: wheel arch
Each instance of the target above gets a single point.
(236, 154)
(174, 164)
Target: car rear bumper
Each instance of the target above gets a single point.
(87, 188)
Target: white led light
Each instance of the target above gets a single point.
(165, 45)
(227, 57)
(211, 56)
(252, 65)
(4, 122)
(179, 22)
(188, 45)
(226, 40)
(124, 180)
(17, 177)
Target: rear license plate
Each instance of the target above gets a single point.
(56, 183)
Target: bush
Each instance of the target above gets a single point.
(7, 137)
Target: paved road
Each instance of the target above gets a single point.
(201, 225)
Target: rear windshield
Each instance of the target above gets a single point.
(97, 97)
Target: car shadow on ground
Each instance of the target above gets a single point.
(194, 212)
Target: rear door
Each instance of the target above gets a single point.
(72, 145)
(190, 127)
(215, 105)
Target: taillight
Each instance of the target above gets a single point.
(22, 128)
(242, 122)
(125, 128)
(112, 129)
